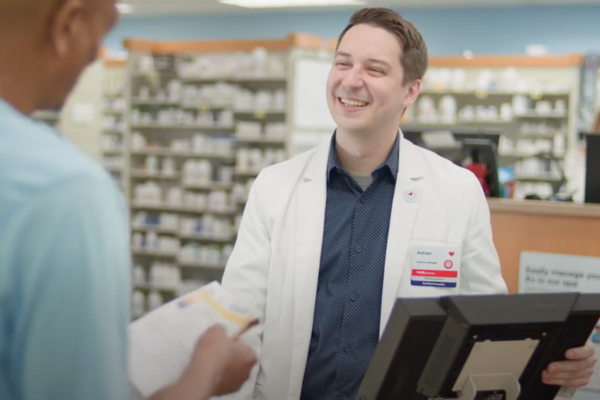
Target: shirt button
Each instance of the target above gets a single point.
(353, 297)
(362, 200)
(358, 248)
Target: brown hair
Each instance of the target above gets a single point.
(414, 58)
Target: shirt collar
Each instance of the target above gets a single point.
(392, 160)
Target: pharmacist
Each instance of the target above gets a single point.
(328, 238)
(64, 240)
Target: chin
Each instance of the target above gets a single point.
(353, 126)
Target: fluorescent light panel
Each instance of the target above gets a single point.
(290, 3)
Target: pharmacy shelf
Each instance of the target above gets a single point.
(172, 153)
(216, 267)
(205, 238)
(145, 253)
(154, 229)
(143, 175)
(208, 186)
(181, 209)
(46, 115)
(50, 118)
(259, 141)
(173, 109)
(532, 102)
(182, 127)
(115, 111)
(147, 287)
(484, 93)
(537, 178)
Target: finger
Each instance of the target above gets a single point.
(571, 380)
(580, 353)
(245, 353)
(582, 374)
(577, 383)
(244, 328)
(571, 366)
(212, 334)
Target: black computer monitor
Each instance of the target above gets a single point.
(592, 168)
(413, 133)
(477, 347)
(472, 142)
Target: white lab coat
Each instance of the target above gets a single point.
(275, 262)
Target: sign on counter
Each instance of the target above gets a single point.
(551, 273)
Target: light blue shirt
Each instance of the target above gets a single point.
(64, 269)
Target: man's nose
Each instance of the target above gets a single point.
(353, 79)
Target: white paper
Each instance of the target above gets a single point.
(162, 342)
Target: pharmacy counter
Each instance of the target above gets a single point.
(542, 226)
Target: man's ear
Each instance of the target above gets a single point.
(414, 88)
(64, 25)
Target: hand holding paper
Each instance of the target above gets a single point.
(192, 344)
(225, 362)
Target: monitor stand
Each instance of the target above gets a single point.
(490, 387)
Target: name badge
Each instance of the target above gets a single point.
(435, 266)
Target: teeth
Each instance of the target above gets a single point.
(354, 103)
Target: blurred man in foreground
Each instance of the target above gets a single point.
(64, 242)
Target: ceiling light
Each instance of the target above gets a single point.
(124, 8)
(290, 3)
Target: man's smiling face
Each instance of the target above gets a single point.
(365, 89)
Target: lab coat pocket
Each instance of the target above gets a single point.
(433, 268)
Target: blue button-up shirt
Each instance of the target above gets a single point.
(348, 302)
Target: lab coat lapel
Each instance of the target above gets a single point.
(309, 219)
(407, 197)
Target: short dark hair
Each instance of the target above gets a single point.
(414, 58)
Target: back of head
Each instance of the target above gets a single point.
(414, 50)
(46, 44)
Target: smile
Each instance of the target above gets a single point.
(352, 103)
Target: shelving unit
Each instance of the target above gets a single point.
(51, 118)
(114, 124)
(205, 118)
(531, 100)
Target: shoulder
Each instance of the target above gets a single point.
(36, 162)
(294, 166)
(286, 174)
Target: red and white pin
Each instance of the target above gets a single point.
(410, 194)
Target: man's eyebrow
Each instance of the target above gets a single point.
(373, 60)
(342, 54)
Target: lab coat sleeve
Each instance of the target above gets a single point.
(247, 272)
(481, 272)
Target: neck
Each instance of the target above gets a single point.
(362, 154)
(18, 84)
